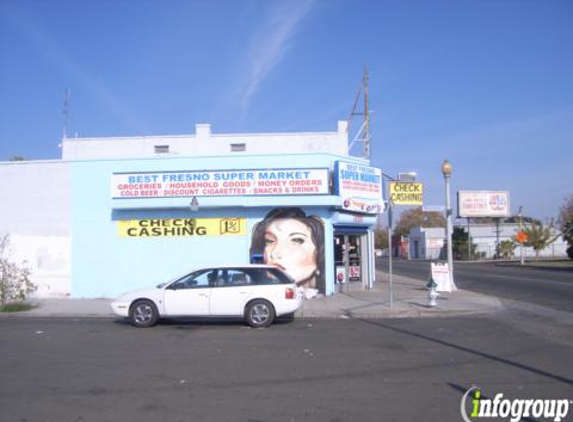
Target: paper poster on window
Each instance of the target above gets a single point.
(354, 271)
(340, 274)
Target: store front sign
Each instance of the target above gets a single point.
(182, 227)
(268, 182)
(359, 186)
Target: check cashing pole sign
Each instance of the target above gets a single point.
(407, 193)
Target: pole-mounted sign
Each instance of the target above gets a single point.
(407, 193)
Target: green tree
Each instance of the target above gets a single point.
(17, 158)
(540, 236)
(565, 220)
(15, 283)
(566, 211)
(460, 244)
(381, 238)
(506, 248)
(416, 217)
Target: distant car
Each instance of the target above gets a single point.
(256, 293)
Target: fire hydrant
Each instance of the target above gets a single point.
(432, 293)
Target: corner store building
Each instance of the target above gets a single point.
(115, 213)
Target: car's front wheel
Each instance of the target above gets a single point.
(259, 314)
(143, 314)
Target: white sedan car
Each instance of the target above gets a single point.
(257, 293)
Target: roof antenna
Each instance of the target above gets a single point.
(65, 114)
(363, 134)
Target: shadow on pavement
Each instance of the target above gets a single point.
(498, 359)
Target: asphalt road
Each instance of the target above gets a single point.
(84, 370)
(551, 288)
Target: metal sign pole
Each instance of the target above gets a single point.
(391, 290)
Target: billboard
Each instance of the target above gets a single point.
(483, 204)
(407, 193)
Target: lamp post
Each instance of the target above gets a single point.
(447, 172)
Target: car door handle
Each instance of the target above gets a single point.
(203, 295)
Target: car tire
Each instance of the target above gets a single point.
(259, 313)
(287, 317)
(143, 314)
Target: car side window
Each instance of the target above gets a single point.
(195, 280)
(272, 277)
(239, 278)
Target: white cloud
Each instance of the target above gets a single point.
(270, 44)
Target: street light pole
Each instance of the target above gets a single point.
(447, 172)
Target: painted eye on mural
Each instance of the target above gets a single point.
(299, 240)
(269, 240)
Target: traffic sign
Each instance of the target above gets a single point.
(521, 237)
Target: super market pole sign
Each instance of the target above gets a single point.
(359, 186)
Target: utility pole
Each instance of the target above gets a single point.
(363, 134)
(366, 146)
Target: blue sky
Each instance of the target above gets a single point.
(487, 84)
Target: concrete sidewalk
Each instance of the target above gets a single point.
(410, 300)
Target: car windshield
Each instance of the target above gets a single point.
(162, 285)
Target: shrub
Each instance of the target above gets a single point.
(15, 282)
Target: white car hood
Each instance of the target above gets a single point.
(149, 293)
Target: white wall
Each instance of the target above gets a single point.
(204, 143)
(484, 236)
(35, 212)
(49, 260)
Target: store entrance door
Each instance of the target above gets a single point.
(350, 261)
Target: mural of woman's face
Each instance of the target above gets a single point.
(289, 246)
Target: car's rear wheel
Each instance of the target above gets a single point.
(287, 317)
(259, 313)
(143, 314)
